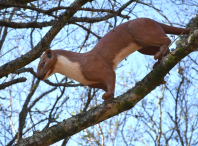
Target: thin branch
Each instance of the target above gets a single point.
(12, 141)
(40, 97)
(157, 10)
(27, 25)
(84, 9)
(63, 84)
(176, 122)
(149, 5)
(8, 51)
(22, 70)
(6, 5)
(126, 5)
(24, 111)
(160, 121)
(15, 81)
(50, 114)
(86, 37)
(88, 30)
(6, 29)
(65, 141)
(101, 134)
(52, 22)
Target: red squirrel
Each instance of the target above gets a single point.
(96, 68)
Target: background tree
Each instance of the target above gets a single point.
(166, 116)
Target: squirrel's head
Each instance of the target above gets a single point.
(46, 65)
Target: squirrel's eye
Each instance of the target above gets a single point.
(43, 64)
(49, 55)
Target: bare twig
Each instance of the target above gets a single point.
(89, 31)
(15, 81)
(24, 111)
(6, 29)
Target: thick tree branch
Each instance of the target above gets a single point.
(17, 2)
(14, 2)
(43, 44)
(109, 109)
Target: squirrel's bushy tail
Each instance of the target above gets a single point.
(174, 30)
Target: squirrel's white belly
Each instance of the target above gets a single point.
(71, 69)
(124, 53)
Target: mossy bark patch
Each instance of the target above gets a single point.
(192, 39)
(123, 106)
(140, 91)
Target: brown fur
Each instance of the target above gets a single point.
(96, 68)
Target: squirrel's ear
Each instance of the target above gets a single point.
(49, 53)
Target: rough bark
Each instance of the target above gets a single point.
(14, 2)
(109, 109)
